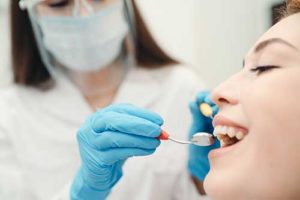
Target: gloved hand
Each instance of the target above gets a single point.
(106, 140)
(198, 163)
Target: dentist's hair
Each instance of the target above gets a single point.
(29, 70)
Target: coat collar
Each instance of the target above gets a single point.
(141, 87)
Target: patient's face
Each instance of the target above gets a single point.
(263, 105)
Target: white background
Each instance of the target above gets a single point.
(4, 47)
(213, 36)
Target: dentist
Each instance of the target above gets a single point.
(77, 58)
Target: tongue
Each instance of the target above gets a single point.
(228, 141)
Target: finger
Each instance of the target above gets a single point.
(215, 109)
(112, 156)
(94, 173)
(205, 97)
(201, 96)
(110, 139)
(120, 122)
(135, 111)
(208, 100)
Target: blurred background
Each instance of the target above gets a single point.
(211, 36)
(5, 75)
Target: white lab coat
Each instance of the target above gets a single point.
(38, 149)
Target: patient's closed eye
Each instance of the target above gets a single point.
(263, 69)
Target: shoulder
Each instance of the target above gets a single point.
(17, 104)
(14, 98)
(8, 99)
(13, 94)
(8, 95)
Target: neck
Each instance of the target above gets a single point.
(99, 87)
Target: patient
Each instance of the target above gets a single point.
(259, 109)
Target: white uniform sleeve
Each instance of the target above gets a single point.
(12, 185)
(11, 181)
(64, 193)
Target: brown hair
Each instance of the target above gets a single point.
(292, 7)
(28, 68)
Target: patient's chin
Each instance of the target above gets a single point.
(212, 186)
(219, 188)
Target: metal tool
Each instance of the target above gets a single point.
(199, 139)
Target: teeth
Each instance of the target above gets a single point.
(220, 130)
(223, 130)
(231, 132)
(228, 135)
(240, 135)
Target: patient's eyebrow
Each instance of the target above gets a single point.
(262, 45)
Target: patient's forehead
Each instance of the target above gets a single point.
(287, 29)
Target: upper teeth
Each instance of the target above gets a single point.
(230, 131)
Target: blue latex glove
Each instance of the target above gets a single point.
(106, 140)
(198, 163)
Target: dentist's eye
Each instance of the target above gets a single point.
(57, 3)
(263, 69)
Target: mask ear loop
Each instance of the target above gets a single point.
(28, 5)
(132, 36)
(129, 14)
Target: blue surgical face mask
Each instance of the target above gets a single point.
(85, 43)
